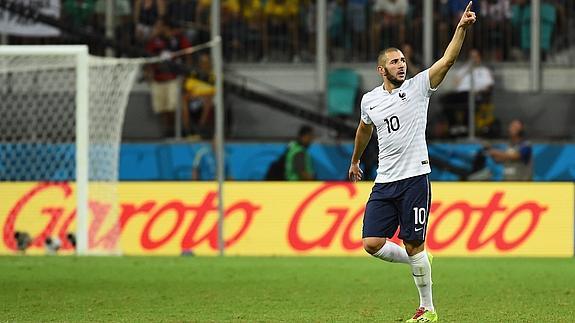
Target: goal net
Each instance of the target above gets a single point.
(61, 117)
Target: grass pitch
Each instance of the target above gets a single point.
(197, 289)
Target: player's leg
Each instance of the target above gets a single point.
(421, 271)
(385, 250)
(380, 221)
(413, 223)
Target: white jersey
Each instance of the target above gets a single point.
(400, 118)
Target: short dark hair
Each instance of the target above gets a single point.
(305, 130)
(382, 57)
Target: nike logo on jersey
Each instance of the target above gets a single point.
(384, 108)
(418, 229)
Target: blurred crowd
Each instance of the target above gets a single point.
(285, 30)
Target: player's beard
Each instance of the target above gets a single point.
(394, 80)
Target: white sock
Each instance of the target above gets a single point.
(393, 253)
(421, 270)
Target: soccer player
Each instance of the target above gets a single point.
(401, 194)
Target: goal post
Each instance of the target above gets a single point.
(61, 118)
(82, 142)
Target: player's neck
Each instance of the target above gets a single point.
(388, 86)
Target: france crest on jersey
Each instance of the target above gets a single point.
(400, 118)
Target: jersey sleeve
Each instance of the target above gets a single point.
(364, 116)
(424, 83)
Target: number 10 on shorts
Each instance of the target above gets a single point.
(419, 215)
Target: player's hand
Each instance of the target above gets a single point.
(468, 17)
(355, 173)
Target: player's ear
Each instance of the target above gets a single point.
(381, 70)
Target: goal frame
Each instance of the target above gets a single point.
(81, 58)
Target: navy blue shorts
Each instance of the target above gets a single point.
(404, 203)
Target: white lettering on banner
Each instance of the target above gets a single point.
(13, 24)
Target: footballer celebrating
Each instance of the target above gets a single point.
(401, 194)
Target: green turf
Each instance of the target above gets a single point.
(280, 289)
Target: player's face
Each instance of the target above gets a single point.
(395, 69)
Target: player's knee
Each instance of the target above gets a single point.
(414, 247)
(373, 245)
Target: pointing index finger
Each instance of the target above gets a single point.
(468, 8)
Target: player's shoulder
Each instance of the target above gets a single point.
(374, 93)
(419, 80)
(420, 75)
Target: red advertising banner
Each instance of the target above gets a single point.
(467, 219)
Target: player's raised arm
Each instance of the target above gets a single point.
(362, 137)
(438, 70)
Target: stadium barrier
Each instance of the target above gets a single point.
(173, 162)
(289, 219)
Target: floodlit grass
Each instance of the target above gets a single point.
(198, 289)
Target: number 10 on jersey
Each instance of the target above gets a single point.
(419, 215)
(392, 123)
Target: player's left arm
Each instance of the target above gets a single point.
(438, 70)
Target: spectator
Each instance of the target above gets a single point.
(164, 79)
(234, 28)
(496, 16)
(442, 20)
(442, 28)
(202, 21)
(335, 15)
(146, 14)
(307, 29)
(240, 18)
(251, 11)
(184, 13)
(389, 21)
(198, 103)
(281, 19)
(298, 165)
(516, 159)
(473, 76)
(251, 14)
(562, 34)
(474, 72)
(356, 36)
